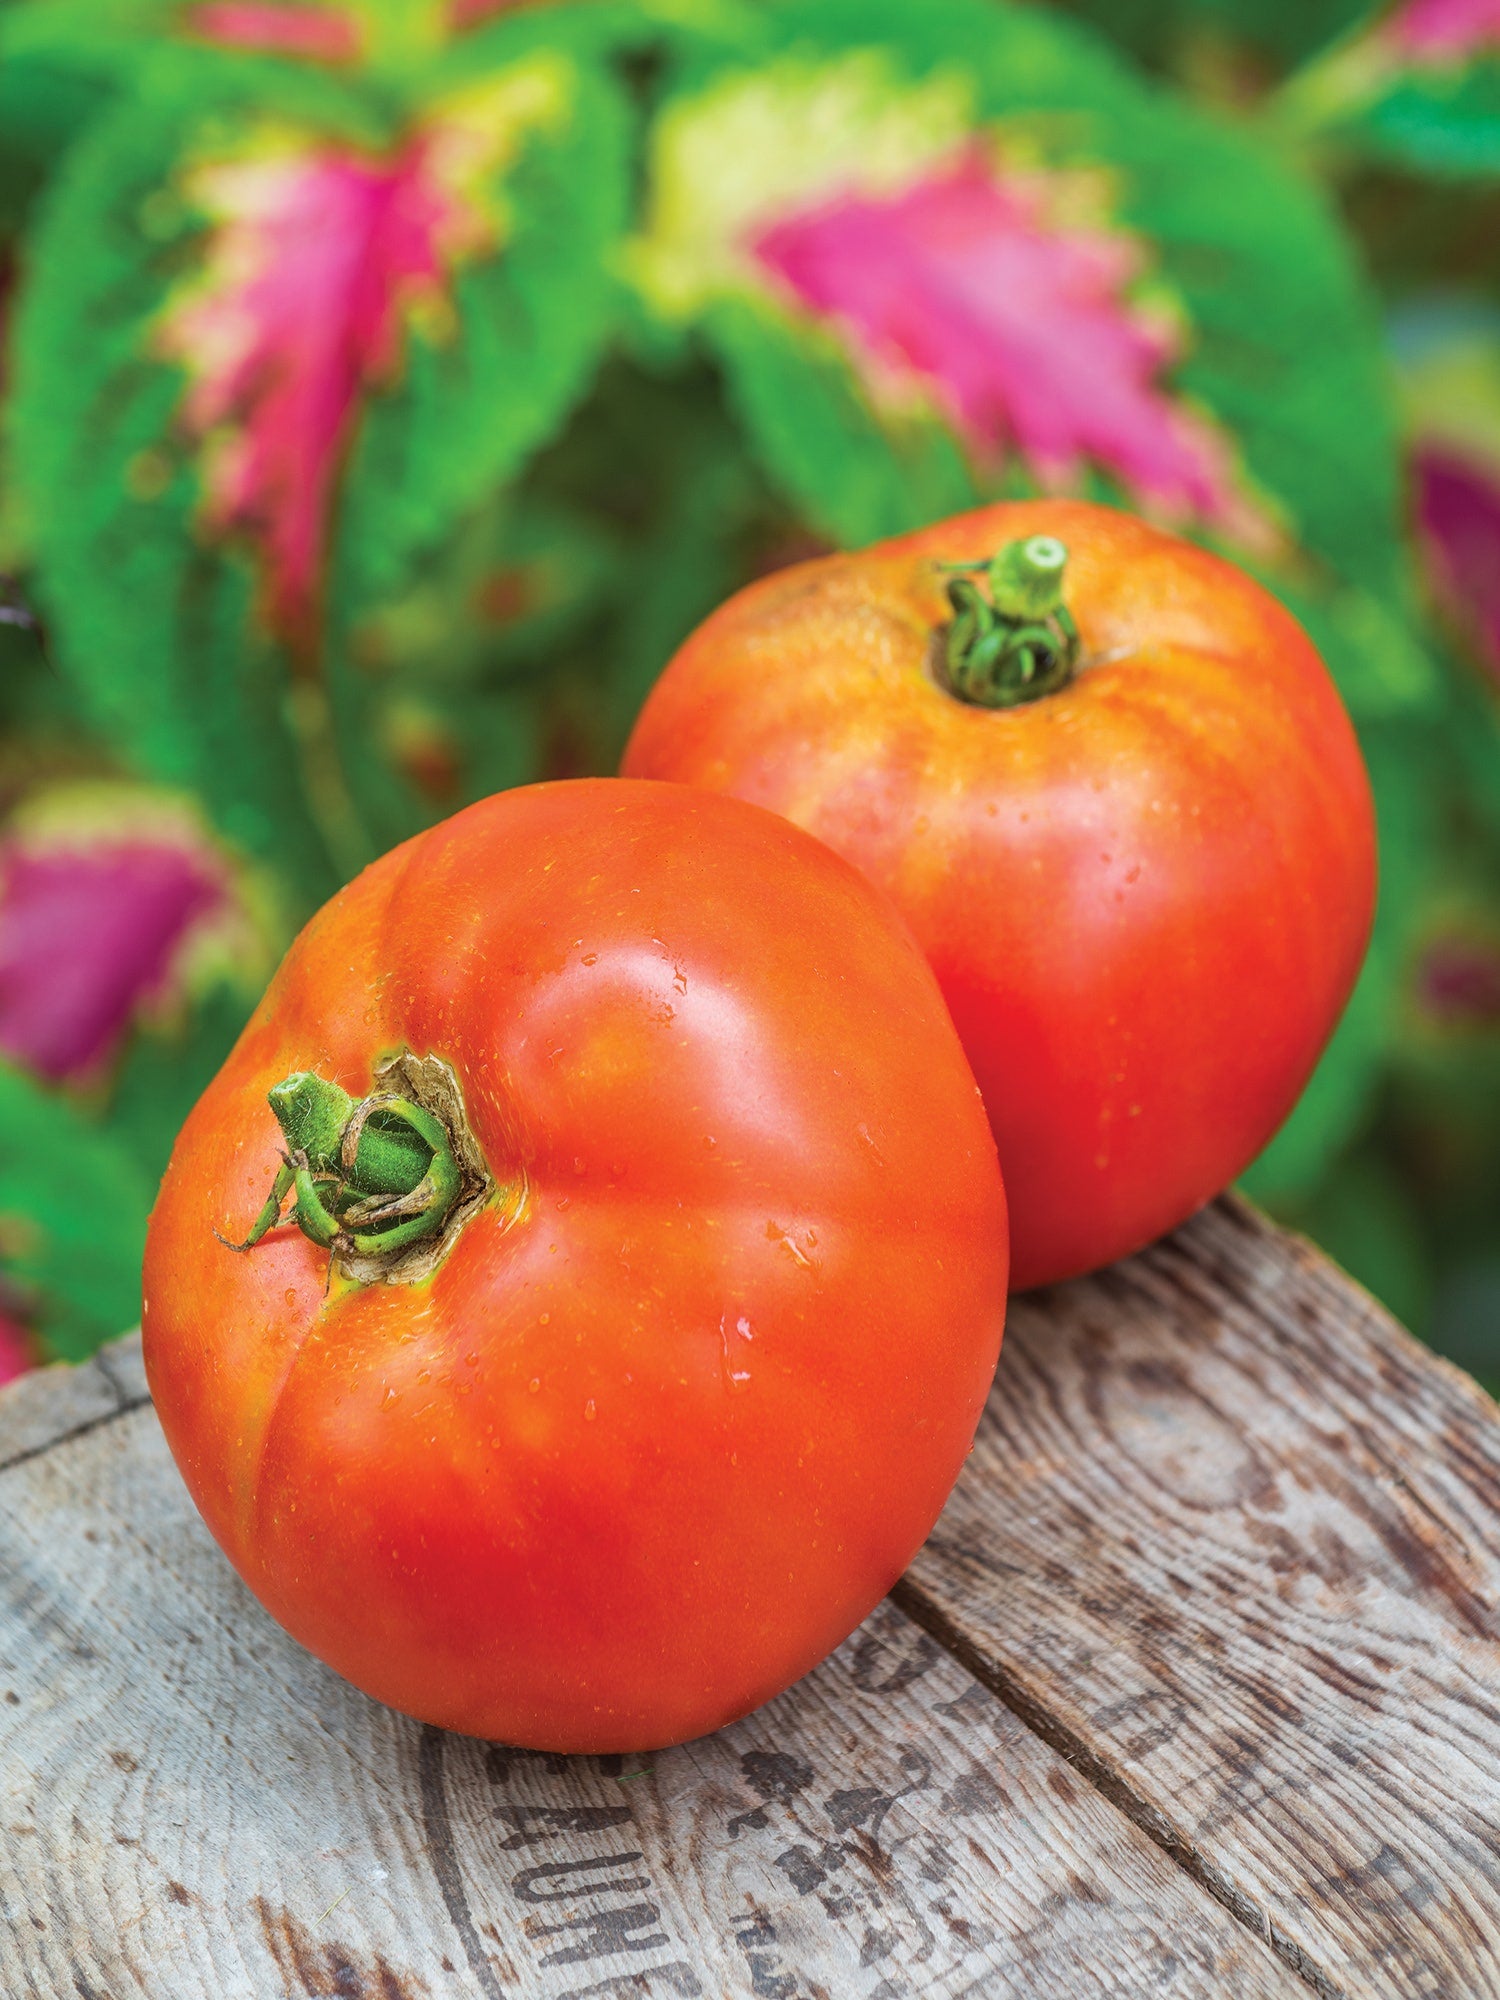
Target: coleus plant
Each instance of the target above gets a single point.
(118, 908)
(329, 306)
(395, 380)
(930, 278)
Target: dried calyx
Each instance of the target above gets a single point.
(384, 1182)
(1018, 643)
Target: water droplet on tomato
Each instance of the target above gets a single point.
(534, 1384)
(588, 1411)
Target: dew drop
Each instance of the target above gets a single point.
(545, 1320)
(534, 1384)
(588, 1411)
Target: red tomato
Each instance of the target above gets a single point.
(1145, 893)
(694, 1378)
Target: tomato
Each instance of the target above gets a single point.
(667, 1402)
(1114, 792)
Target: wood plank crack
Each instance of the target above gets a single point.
(25, 1457)
(1229, 1542)
(1029, 1708)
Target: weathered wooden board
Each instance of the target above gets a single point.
(191, 1808)
(1228, 1553)
(58, 1402)
(1231, 1539)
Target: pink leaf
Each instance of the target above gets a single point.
(284, 30)
(17, 1348)
(94, 925)
(1458, 518)
(1021, 325)
(1458, 982)
(1445, 30)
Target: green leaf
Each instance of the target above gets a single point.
(1436, 114)
(1333, 1109)
(1442, 121)
(851, 473)
(1382, 664)
(1366, 1221)
(1157, 30)
(73, 1209)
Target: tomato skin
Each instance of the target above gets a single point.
(674, 1414)
(1146, 896)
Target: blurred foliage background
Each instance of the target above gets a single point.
(388, 385)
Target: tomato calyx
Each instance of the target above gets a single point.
(384, 1183)
(1019, 643)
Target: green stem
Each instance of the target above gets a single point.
(371, 1178)
(325, 784)
(1019, 643)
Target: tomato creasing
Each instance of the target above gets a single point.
(690, 1385)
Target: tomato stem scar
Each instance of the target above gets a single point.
(1019, 643)
(372, 1179)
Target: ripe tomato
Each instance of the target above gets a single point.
(1145, 879)
(704, 1355)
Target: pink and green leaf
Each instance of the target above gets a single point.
(112, 902)
(320, 261)
(973, 286)
(963, 281)
(277, 339)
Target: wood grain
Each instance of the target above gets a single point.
(55, 1402)
(1231, 1540)
(191, 1808)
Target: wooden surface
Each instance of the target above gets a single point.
(1195, 1691)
